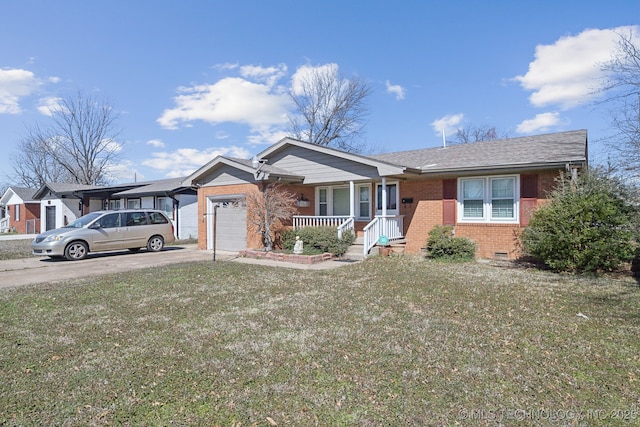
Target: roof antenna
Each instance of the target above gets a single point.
(444, 140)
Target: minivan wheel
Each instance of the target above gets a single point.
(76, 251)
(155, 244)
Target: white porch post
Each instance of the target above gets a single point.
(352, 199)
(384, 196)
(384, 204)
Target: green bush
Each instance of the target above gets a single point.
(442, 244)
(588, 226)
(318, 240)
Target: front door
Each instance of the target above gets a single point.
(50, 218)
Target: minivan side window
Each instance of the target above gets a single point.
(134, 219)
(110, 221)
(157, 218)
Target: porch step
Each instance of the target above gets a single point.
(355, 251)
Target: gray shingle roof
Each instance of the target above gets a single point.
(26, 194)
(555, 148)
(153, 187)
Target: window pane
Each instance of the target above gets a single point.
(165, 204)
(502, 208)
(473, 189)
(322, 202)
(392, 194)
(473, 209)
(392, 191)
(110, 221)
(341, 201)
(133, 203)
(363, 199)
(502, 188)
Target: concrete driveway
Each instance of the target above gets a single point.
(32, 270)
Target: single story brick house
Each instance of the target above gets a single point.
(485, 190)
(20, 212)
(60, 204)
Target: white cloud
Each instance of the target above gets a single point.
(268, 75)
(157, 143)
(15, 84)
(449, 123)
(232, 99)
(124, 171)
(540, 123)
(112, 145)
(566, 72)
(396, 90)
(48, 105)
(185, 161)
(304, 72)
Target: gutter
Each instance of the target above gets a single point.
(514, 167)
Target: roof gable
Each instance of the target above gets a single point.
(25, 195)
(383, 167)
(259, 172)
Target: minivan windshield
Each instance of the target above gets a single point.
(83, 221)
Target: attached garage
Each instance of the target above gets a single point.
(227, 223)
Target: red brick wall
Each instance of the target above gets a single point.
(254, 240)
(420, 216)
(28, 212)
(427, 211)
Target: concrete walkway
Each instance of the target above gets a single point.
(17, 236)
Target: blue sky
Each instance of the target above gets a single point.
(195, 79)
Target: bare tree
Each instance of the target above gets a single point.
(34, 164)
(622, 89)
(268, 208)
(330, 109)
(79, 146)
(471, 133)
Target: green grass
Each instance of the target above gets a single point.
(390, 341)
(15, 249)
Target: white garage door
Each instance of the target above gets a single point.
(231, 225)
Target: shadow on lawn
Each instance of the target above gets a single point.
(111, 254)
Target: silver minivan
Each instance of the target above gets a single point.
(106, 231)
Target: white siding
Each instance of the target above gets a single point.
(227, 175)
(319, 168)
(187, 217)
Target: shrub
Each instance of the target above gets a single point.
(586, 227)
(318, 240)
(442, 244)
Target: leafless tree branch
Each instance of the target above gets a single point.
(330, 110)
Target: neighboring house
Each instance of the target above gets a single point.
(486, 190)
(63, 203)
(21, 211)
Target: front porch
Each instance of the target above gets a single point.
(390, 226)
(368, 209)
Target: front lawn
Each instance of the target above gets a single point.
(390, 341)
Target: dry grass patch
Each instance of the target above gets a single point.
(390, 341)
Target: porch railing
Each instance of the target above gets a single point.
(391, 226)
(341, 223)
(4, 225)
